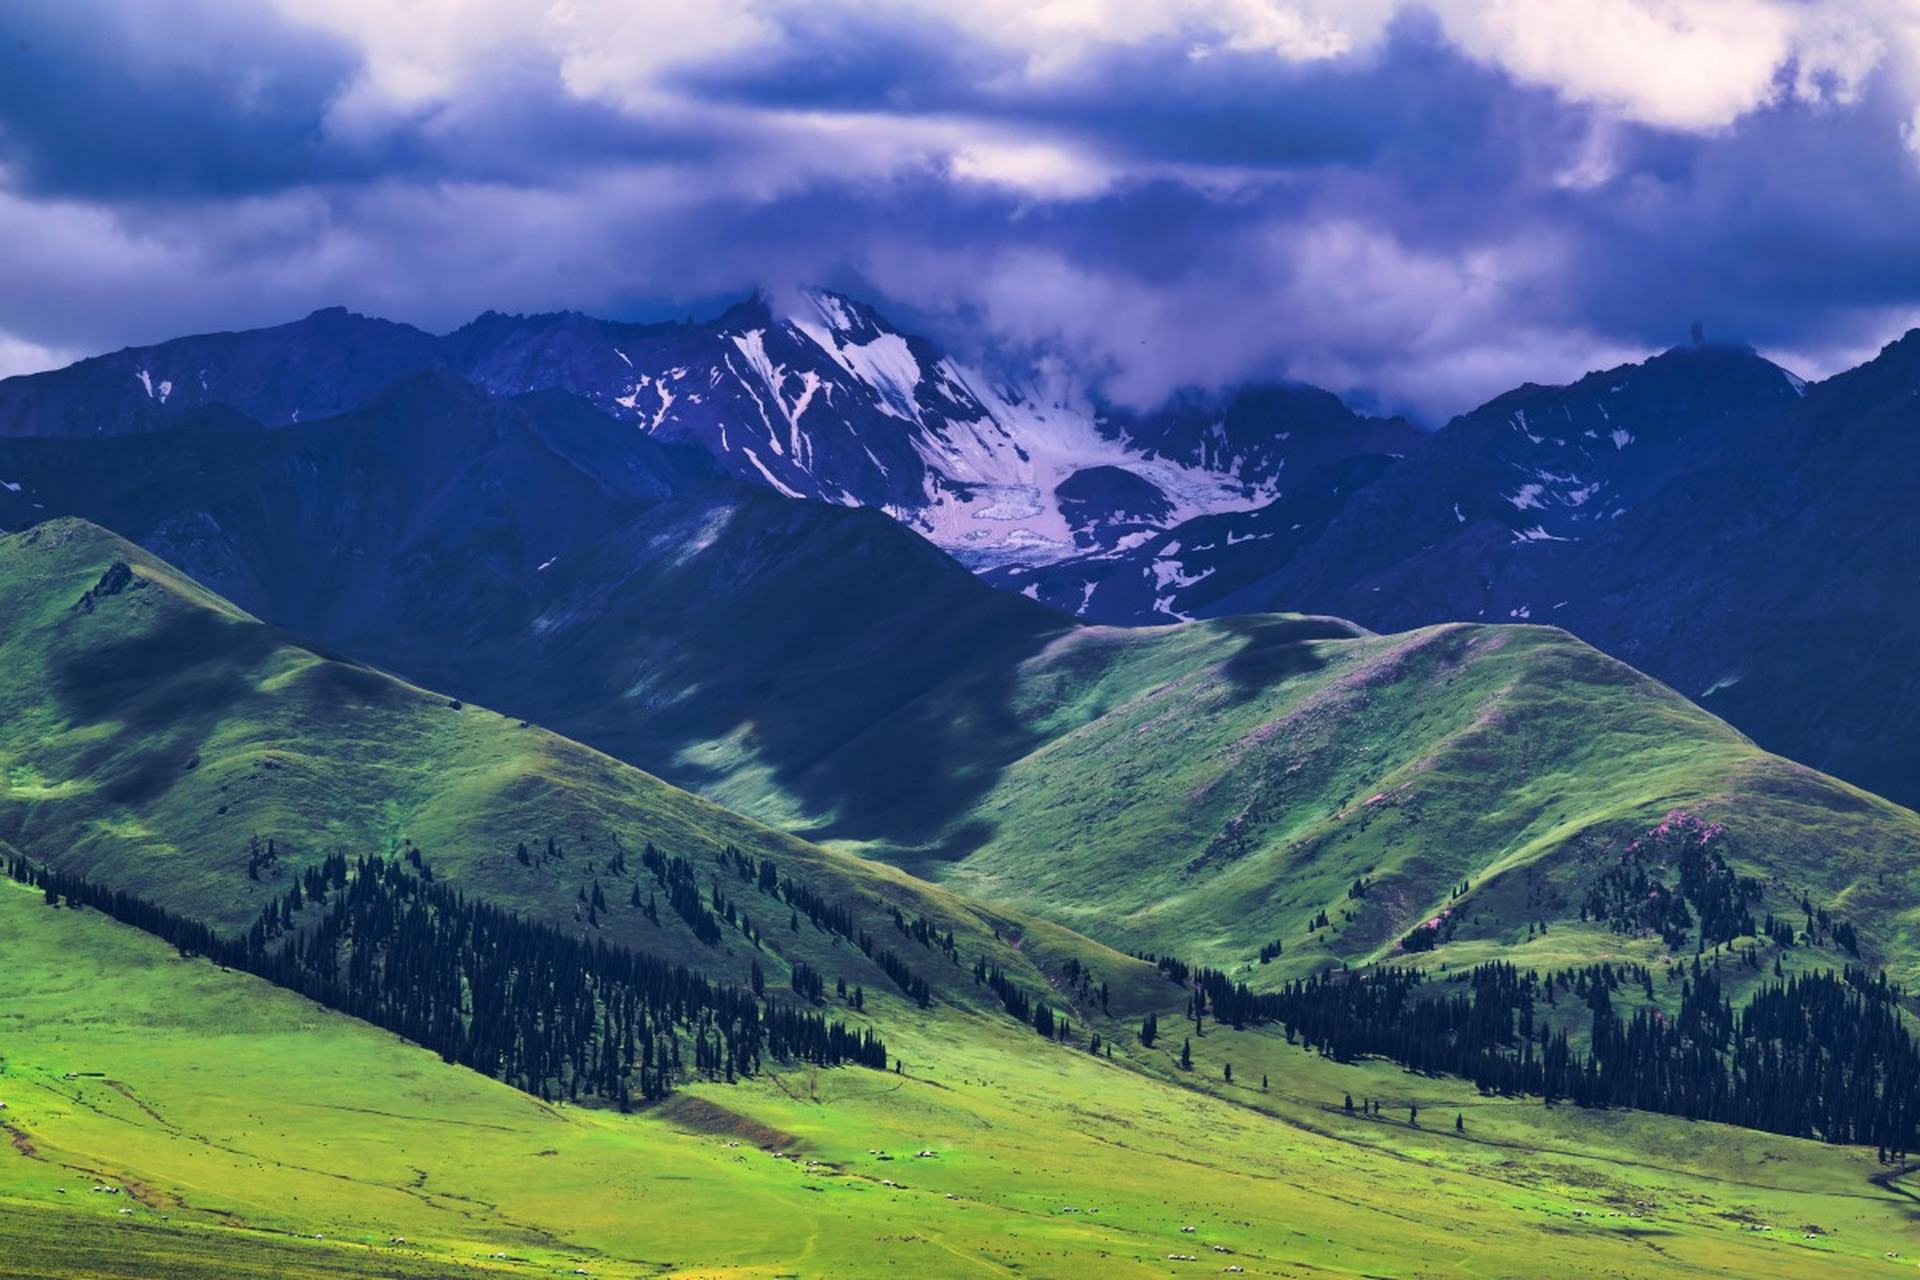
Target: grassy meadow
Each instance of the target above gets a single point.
(239, 1130)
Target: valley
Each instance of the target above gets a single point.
(247, 1131)
(1073, 641)
(163, 743)
(714, 852)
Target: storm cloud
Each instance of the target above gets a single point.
(1419, 206)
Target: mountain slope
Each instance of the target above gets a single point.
(825, 671)
(232, 1118)
(629, 594)
(1702, 516)
(1487, 497)
(1767, 572)
(827, 401)
(1216, 787)
(1777, 583)
(329, 362)
(243, 1131)
(159, 741)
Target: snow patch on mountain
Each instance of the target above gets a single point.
(995, 451)
(774, 379)
(1537, 534)
(1003, 469)
(884, 362)
(1168, 572)
(773, 482)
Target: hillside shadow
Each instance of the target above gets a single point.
(873, 679)
(1276, 649)
(191, 666)
(900, 749)
(166, 688)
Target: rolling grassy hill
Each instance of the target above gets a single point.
(623, 592)
(155, 739)
(1210, 788)
(1205, 790)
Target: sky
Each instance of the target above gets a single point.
(1416, 205)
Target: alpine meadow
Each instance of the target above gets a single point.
(757, 640)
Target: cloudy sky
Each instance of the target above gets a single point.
(1422, 204)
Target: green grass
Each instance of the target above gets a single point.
(152, 741)
(1209, 788)
(240, 1122)
(145, 741)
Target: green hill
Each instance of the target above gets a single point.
(1215, 791)
(1199, 790)
(1212, 788)
(158, 741)
(513, 552)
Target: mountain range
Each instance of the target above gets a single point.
(1705, 516)
(683, 786)
(830, 403)
(826, 671)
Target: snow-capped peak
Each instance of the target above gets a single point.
(994, 449)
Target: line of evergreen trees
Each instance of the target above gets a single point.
(1820, 1055)
(829, 917)
(927, 934)
(676, 875)
(910, 982)
(1017, 1002)
(549, 1014)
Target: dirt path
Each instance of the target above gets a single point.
(125, 1090)
(21, 1142)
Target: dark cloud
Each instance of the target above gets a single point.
(162, 98)
(191, 99)
(1161, 101)
(1773, 230)
(826, 59)
(1406, 222)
